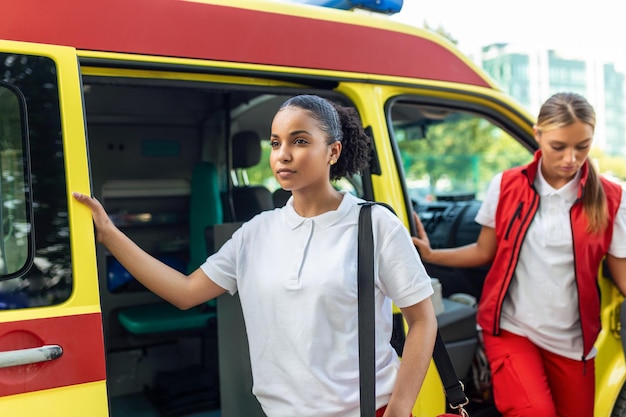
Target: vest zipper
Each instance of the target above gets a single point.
(516, 248)
(516, 215)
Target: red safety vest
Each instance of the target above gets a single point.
(517, 206)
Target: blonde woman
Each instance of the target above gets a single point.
(545, 227)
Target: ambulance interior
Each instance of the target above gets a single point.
(175, 164)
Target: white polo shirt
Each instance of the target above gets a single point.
(542, 299)
(297, 281)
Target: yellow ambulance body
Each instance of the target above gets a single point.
(143, 104)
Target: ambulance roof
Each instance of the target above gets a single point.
(254, 32)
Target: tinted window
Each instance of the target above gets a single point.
(33, 165)
(15, 248)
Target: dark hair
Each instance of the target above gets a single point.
(563, 109)
(340, 124)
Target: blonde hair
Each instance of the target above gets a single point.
(563, 109)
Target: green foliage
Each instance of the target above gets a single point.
(441, 31)
(460, 155)
(261, 173)
(613, 167)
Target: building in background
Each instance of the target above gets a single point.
(532, 75)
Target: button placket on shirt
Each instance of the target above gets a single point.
(305, 234)
(553, 215)
(556, 219)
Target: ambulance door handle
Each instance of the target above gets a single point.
(28, 356)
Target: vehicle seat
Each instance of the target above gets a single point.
(244, 200)
(280, 197)
(159, 318)
(205, 210)
(457, 325)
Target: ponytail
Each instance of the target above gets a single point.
(594, 202)
(356, 145)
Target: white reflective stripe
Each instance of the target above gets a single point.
(28, 356)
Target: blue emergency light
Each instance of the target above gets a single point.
(381, 6)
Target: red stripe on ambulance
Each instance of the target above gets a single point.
(205, 31)
(82, 361)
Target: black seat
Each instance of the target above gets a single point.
(244, 200)
(457, 325)
(280, 197)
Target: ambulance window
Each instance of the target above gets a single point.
(36, 255)
(14, 221)
(450, 154)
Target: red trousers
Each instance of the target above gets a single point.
(530, 381)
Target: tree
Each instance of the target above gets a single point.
(460, 155)
(613, 167)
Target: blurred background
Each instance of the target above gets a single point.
(536, 48)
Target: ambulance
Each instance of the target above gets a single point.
(161, 109)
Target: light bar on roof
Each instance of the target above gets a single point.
(381, 6)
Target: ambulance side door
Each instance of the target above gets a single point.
(51, 341)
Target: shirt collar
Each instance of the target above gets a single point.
(568, 192)
(324, 220)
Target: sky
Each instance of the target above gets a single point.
(592, 28)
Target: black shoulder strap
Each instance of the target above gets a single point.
(452, 385)
(365, 287)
